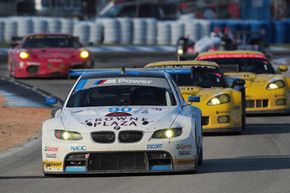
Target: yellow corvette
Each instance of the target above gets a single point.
(222, 106)
(267, 91)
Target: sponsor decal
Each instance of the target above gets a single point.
(120, 109)
(78, 148)
(50, 149)
(50, 155)
(52, 164)
(183, 146)
(156, 109)
(184, 153)
(100, 82)
(184, 161)
(154, 146)
(122, 81)
(112, 121)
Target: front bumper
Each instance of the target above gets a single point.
(46, 69)
(85, 156)
(222, 121)
(268, 106)
(268, 101)
(120, 162)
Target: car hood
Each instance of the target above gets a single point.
(256, 80)
(115, 118)
(55, 53)
(204, 93)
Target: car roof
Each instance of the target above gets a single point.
(49, 34)
(231, 54)
(180, 63)
(171, 70)
(126, 73)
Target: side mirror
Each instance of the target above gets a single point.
(283, 68)
(239, 82)
(194, 99)
(50, 101)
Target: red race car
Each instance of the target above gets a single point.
(46, 55)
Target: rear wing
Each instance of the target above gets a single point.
(179, 64)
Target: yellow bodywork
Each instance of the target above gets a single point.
(259, 99)
(210, 113)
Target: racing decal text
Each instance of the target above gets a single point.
(78, 148)
(116, 121)
(120, 109)
(154, 146)
(51, 149)
(52, 164)
(50, 155)
(183, 146)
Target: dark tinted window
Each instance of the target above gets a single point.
(122, 95)
(254, 65)
(201, 76)
(43, 41)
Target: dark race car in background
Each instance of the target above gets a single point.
(46, 55)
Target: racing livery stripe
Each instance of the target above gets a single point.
(231, 56)
(81, 84)
(99, 82)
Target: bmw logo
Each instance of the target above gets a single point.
(117, 127)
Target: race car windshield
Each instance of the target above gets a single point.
(51, 42)
(122, 95)
(202, 77)
(254, 65)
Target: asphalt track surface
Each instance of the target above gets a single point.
(257, 161)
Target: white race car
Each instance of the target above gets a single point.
(117, 121)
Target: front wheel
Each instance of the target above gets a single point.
(200, 157)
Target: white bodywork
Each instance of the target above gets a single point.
(85, 120)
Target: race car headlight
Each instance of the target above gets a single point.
(221, 99)
(167, 133)
(67, 135)
(276, 84)
(180, 51)
(84, 54)
(24, 55)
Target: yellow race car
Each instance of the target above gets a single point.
(221, 99)
(267, 91)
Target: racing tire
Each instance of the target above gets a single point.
(200, 157)
(243, 111)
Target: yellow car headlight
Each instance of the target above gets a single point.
(220, 99)
(84, 54)
(180, 51)
(24, 55)
(276, 84)
(67, 135)
(167, 133)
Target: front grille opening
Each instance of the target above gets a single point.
(117, 161)
(32, 69)
(257, 103)
(78, 159)
(204, 120)
(103, 137)
(130, 136)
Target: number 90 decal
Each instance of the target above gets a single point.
(120, 109)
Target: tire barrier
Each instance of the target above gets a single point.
(141, 31)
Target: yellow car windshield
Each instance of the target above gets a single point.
(254, 65)
(200, 76)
